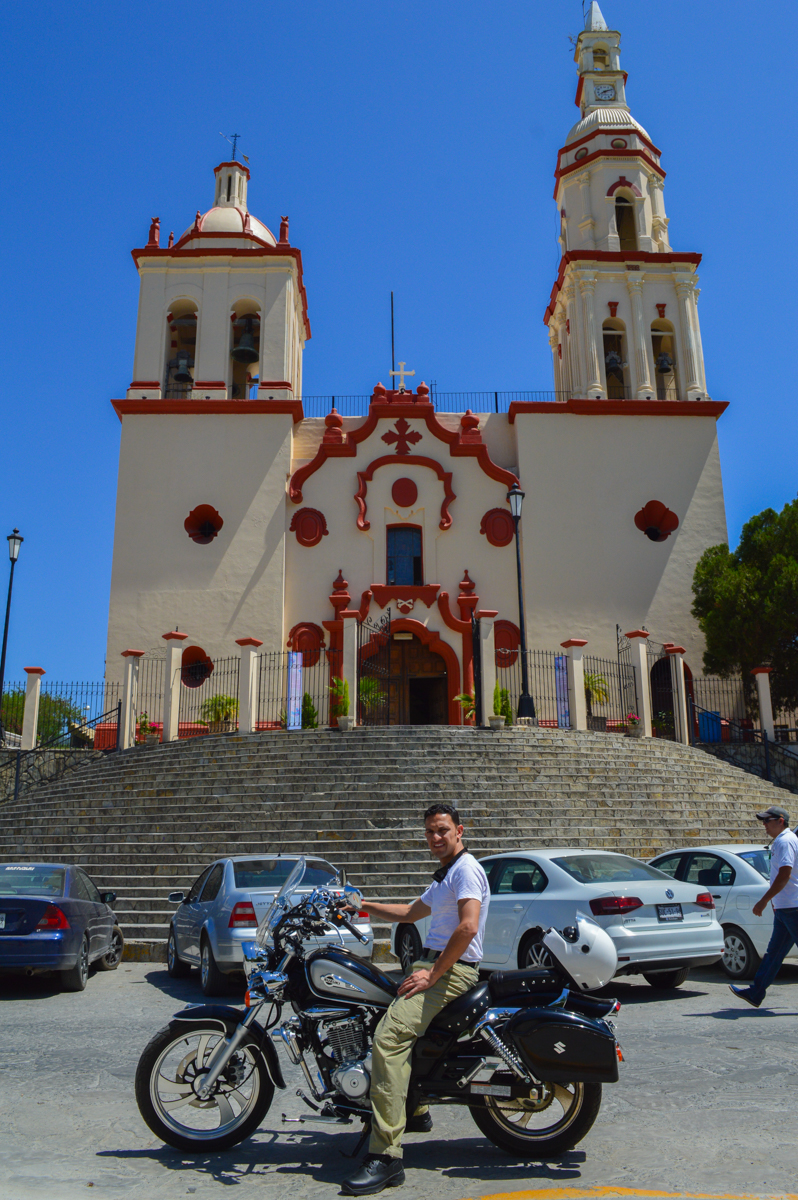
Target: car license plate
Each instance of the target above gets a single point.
(490, 1089)
(2, 920)
(670, 912)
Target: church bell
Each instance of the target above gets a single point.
(245, 351)
(182, 373)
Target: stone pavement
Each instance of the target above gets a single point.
(706, 1106)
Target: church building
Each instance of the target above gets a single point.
(240, 515)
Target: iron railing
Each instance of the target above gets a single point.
(726, 696)
(608, 685)
(663, 713)
(70, 747)
(295, 689)
(208, 697)
(449, 402)
(739, 743)
(548, 684)
(12, 712)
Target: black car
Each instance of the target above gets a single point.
(53, 918)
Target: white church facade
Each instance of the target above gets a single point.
(241, 517)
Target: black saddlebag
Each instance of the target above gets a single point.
(561, 1047)
(525, 985)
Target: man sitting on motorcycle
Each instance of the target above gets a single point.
(458, 900)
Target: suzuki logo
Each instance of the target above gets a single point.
(669, 893)
(559, 1047)
(335, 981)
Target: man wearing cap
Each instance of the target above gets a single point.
(783, 892)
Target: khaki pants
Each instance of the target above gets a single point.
(404, 1022)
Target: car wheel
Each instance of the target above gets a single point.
(174, 964)
(75, 979)
(532, 954)
(113, 955)
(667, 979)
(740, 959)
(214, 983)
(408, 946)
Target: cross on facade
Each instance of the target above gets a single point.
(401, 437)
(401, 373)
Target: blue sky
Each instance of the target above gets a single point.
(413, 146)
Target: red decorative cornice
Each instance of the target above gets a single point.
(244, 170)
(362, 612)
(248, 642)
(460, 441)
(133, 653)
(573, 642)
(671, 649)
(606, 130)
(174, 636)
(39, 670)
(625, 408)
(614, 256)
(203, 408)
(340, 597)
(637, 633)
(365, 477)
(402, 591)
(610, 152)
(754, 670)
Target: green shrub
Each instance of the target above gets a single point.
(310, 718)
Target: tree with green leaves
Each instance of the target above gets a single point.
(746, 603)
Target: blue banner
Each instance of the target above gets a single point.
(295, 689)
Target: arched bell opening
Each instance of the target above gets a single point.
(625, 222)
(616, 366)
(245, 351)
(663, 346)
(181, 348)
(601, 58)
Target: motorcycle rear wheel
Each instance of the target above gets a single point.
(532, 1130)
(165, 1077)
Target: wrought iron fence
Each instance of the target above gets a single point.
(296, 689)
(785, 722)
(726, 697)
(66, 707)
(12, 712)
(548, 684)
(71, 745)
(738, 742)
(449, 402)
(374, 671)
(148, 701)
(608, 683)
(663, 713)
(208, 697)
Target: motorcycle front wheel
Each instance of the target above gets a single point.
(167, 1077)
(539, 1128)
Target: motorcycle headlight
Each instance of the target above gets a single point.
(267, 983)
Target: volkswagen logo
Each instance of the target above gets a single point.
(669, 893)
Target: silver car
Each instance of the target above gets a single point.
(225, 906)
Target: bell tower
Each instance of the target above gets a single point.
(623, 322)
(222, 311)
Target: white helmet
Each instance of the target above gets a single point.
(585, 952)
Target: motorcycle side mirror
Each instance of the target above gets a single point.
(352, 892)
(342, 877)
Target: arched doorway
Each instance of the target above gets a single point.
(419, 682)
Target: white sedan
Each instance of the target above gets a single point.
(737, 876)
(660, 927)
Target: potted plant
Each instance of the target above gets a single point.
(219, 713)
(310, 718)
(499, 718)
(596, 692)
(634, 726)
(339, 689)
(468, 705)
(147, 734)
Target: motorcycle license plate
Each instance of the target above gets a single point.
(490, 1089)
(670, 912)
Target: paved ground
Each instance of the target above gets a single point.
(706, 1106)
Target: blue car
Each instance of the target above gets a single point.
(52, 918)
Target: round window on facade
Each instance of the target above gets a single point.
(619, 143)
(581, 153)
(195, 667)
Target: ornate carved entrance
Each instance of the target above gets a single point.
(419, 683)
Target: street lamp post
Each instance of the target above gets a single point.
(14, 543)
(526, 704)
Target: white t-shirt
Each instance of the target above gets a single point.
(465, 880)
(784, 853)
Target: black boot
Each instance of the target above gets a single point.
(377, 1172)
(419, 1123)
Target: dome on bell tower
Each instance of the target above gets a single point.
(229, 214)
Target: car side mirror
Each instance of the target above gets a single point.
(108, 897)
(176, 897)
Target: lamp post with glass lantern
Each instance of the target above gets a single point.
(526, 705)
(14, 543)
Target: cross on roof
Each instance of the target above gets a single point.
(401, 373)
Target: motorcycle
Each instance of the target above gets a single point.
(526, 1051)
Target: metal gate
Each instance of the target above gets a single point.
(663, 709)
(374, 671)
(627, 680)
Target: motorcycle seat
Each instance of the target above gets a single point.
(463, 1011)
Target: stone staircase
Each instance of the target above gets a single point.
(148, 821)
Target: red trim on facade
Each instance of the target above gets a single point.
(308, 639)
(244, 170)
(133, 653)
(309, 525)
(613, 256)
(174, 636)
(275, 383)
(39, 670)
(608, 152)
(204, 408)
(404, 493)
(146, 383)
(498, 526)
(636, 633)
(264, 250)
(626, 408)
(391, 409)
(627, 183)
(488, 612)
(618, 131)
(450, 620)
(216, 384)
(675, 650)
(754, 670)
(248, 642)
(382, 593)
(365, 477)
(573, 642)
